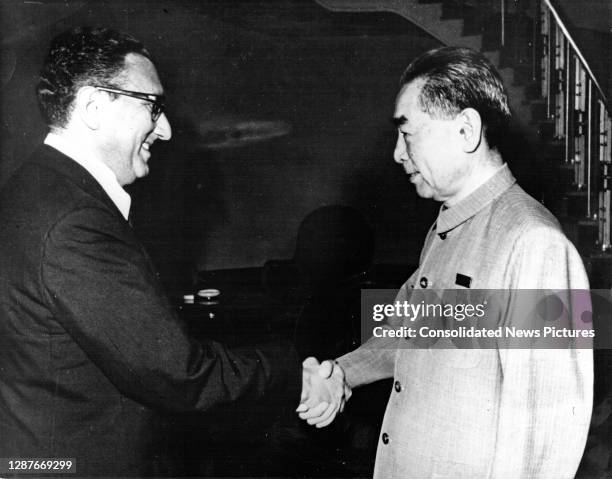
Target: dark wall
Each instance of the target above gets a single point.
(222, 208)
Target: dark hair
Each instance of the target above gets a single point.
(78, 57)
(456, 78)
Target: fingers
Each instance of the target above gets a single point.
(324, 394)
(322, 415)
(309, 367)
(326, 418)
(325, 423)
(310, 362)
(348, 392)
(315, 411)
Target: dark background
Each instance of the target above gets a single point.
(330, 77)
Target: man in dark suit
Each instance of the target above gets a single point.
(90, 347)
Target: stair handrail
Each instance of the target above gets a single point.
(581, 119)
(570, 39)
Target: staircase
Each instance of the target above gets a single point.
(451, 24)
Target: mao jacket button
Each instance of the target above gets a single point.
(398, 386)
(423, 282)
(385, 438)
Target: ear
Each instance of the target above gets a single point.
(470, 129)
(88, 106)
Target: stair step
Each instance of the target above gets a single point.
(555, 143)
(576, 194)
(469, 41)
(428, 14)
(450, 30)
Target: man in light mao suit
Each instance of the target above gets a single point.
(475, 413)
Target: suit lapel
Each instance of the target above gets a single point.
(49, 157)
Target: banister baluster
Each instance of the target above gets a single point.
(546, 57)
(559, 80)
(588, 140)
(579, 124)
(605, 138)
(581, 117)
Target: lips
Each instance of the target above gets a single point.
(145, 151)
(415, 176)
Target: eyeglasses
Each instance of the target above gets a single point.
(157, 101)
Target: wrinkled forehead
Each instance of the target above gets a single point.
(141, 75)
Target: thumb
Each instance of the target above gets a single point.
(326, 369)
(310, 362)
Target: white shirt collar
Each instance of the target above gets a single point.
(101, 172)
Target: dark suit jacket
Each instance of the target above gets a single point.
(89, 345)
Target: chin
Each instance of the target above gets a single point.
(425, 193)
(141, 171)
(128, 181)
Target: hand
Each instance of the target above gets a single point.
(324, 392)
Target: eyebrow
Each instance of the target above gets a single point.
(399, 121)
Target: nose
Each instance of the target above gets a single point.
(400, 154)
(163, 130)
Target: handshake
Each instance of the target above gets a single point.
(324, 392)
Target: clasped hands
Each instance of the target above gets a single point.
(324, 392)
